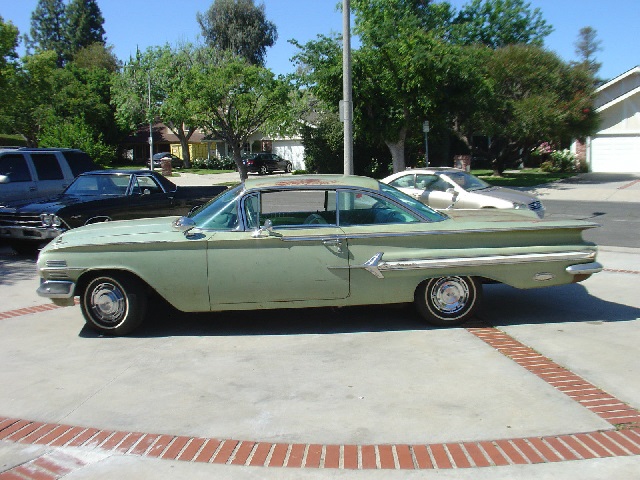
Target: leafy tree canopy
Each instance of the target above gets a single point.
(498, 23)
(49, 29)
(240, 27)
(84, 24)
(236, 100)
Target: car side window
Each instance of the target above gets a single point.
(15, 167)
(359, 208)
(147, 186)
(47, 166)
(426, 182)
(79, 162)
(440, 185)
(299, 208)
(405, 181)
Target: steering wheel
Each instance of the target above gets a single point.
(314, 219)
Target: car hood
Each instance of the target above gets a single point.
(47, 205)
(508, 194)
(141, 230)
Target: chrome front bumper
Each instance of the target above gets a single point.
(56, 289)
(29, 233)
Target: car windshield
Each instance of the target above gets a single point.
(89, 185)
(466, 181)
(412, 203)
(220, 213)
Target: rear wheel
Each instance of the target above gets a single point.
(114, 304)
(448, 301)
(263, 170)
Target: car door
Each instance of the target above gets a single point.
(51, 180)
(437, 191)
(301, 257)
(378, 230)
(18, 183)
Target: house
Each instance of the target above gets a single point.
(203, 146)
(615, 147)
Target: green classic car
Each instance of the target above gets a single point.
(309, 241)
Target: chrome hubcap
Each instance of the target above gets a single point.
(449, 295)
(108, 303)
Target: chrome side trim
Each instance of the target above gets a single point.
(345, 236)
(584, 268)
(376, 266)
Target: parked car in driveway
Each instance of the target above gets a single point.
(98, 196)
(309, 241)
(28, 173)
(176, 162)
(446, 188)
(264, 163)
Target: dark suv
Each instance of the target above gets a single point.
(263, 163)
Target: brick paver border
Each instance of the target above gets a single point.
(623, 439)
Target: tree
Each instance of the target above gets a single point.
(96, 56)
(240, 27)
(49, 29)
(527, 107)
(234, 100)
(586, 47)
(164, 74)
(84, 24)
(498, 23)
(8, 70)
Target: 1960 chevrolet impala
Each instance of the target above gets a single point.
(309, 241)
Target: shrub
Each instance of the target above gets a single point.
(222, 163)
(560, 161)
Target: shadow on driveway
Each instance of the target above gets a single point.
(501, 306)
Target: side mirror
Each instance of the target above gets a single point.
(184, 224)
(5, 179)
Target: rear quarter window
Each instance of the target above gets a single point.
(79, 162)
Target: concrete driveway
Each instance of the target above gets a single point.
(543, 385)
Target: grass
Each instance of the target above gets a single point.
(12, 140)
(529, 177)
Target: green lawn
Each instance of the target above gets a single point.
(520, 178)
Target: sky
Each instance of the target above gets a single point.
(132, 24)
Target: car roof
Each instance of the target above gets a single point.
(140, 171)
(311, 181)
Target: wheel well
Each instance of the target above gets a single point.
(86, 277)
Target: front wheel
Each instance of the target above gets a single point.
(114, 304)
(448, 301)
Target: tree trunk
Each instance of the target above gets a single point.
(237, 156)
(397, 151)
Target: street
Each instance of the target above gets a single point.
(620, 222)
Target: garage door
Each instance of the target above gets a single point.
(620, 154)
(292, 151)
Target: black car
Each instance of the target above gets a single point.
(263, 163)
(176, 162)
(98, 196)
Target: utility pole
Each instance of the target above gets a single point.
(346, 106)
(150, 125)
